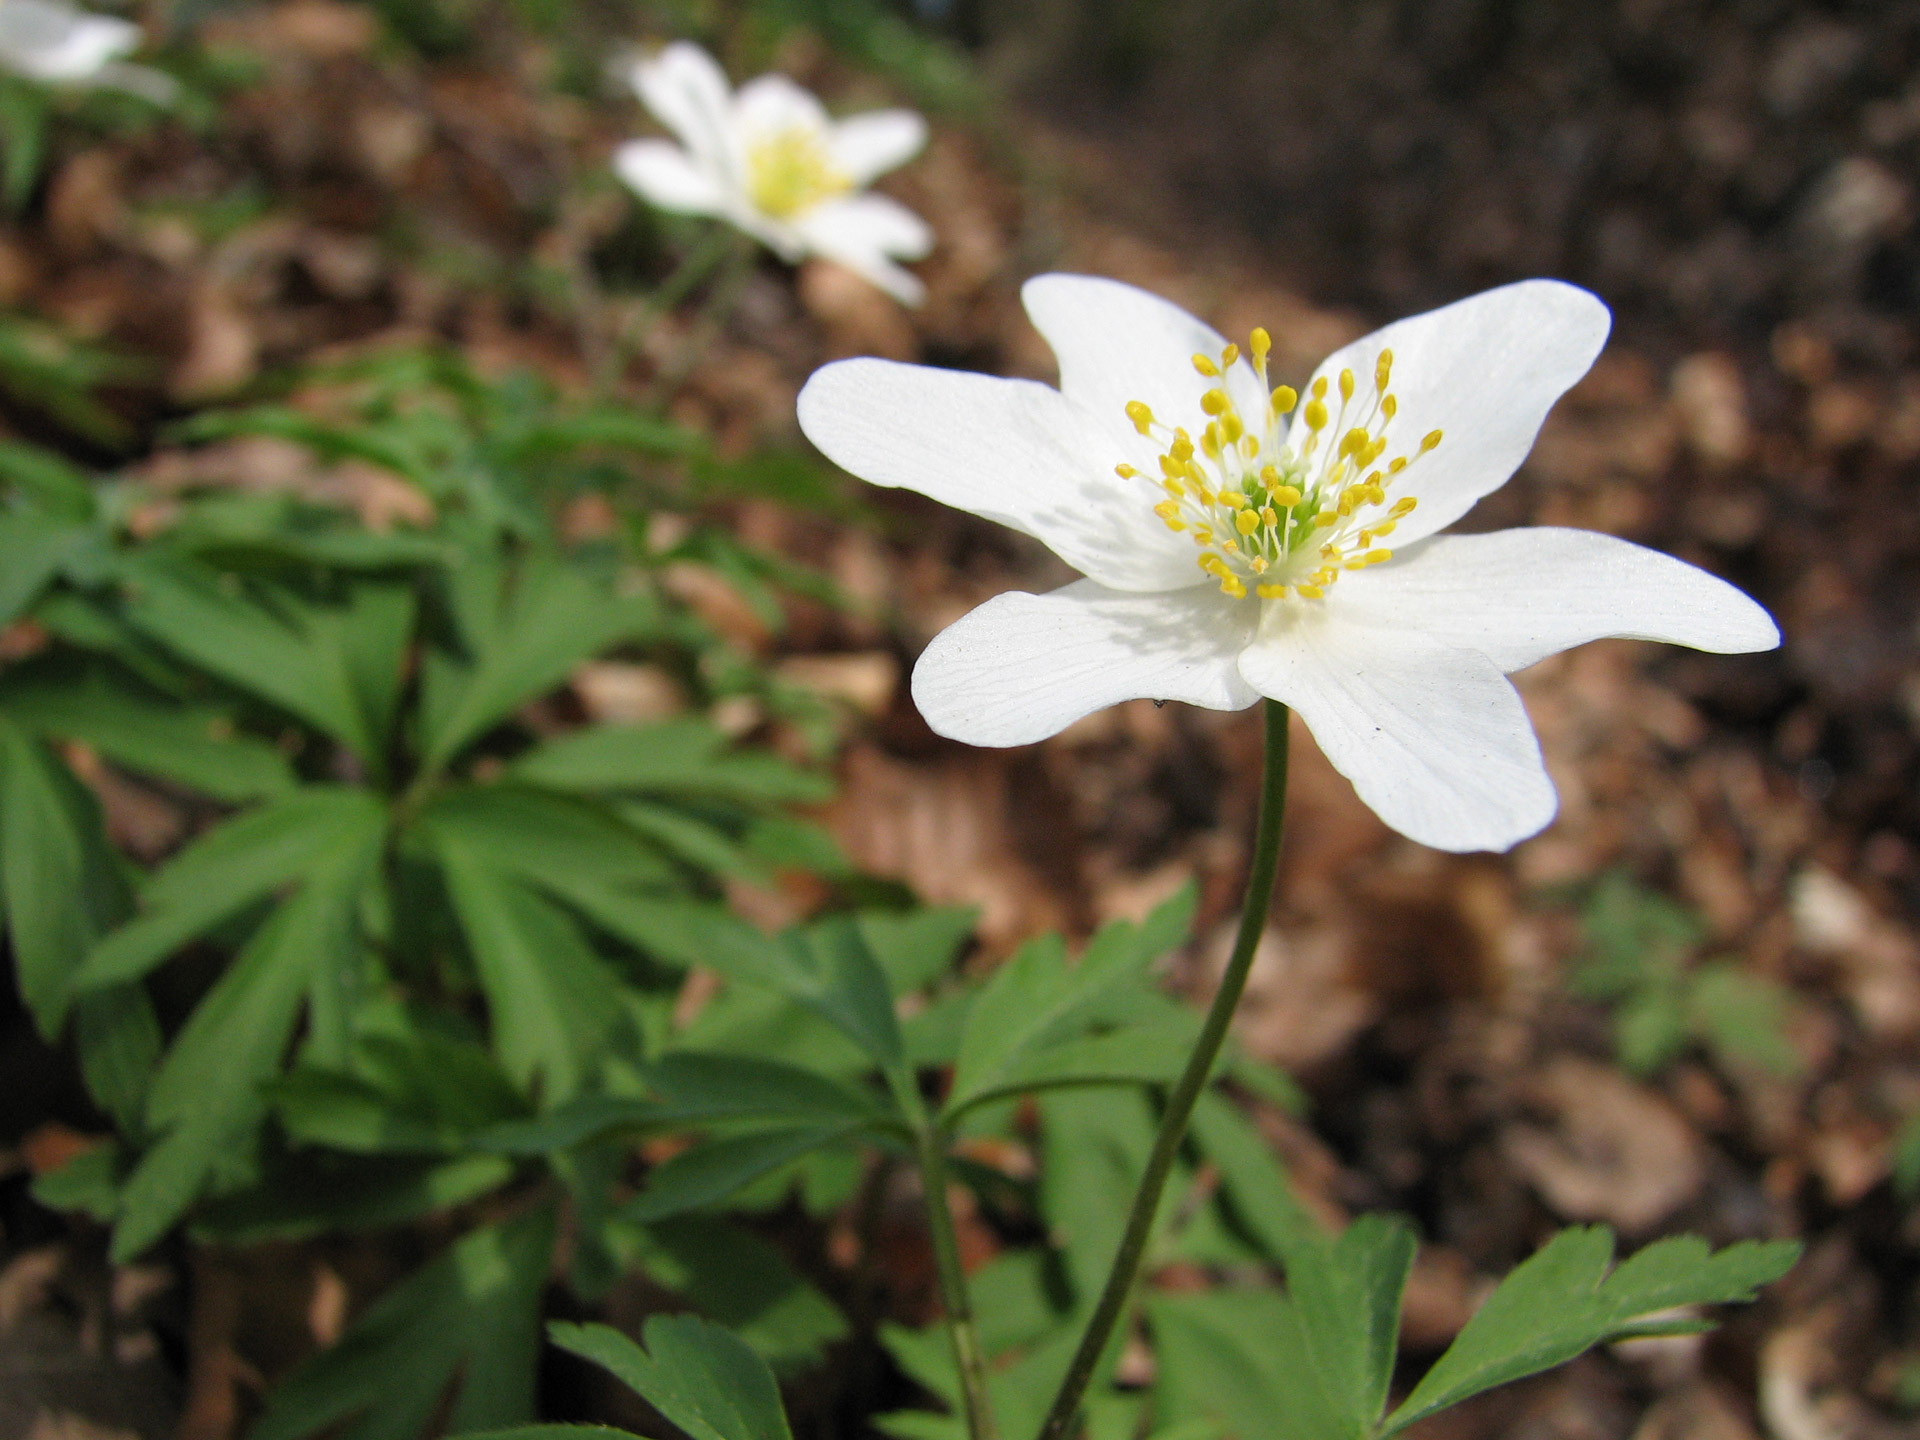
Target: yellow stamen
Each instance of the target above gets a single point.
(1271, 592)
(1286, 495)
(1403, 506)
(1346, 384)
(1269, 519)
(1247, 521)
(1433, 439)
(1285, 397)
(1228, 356)
(1125, 472)
(1382, 370)
(1206, 367)
(1232, 499)
(1234, 586)
(1261, 344)
(1141, 416)
(1316, 415)
(1215, 402)
(1390, 406)
(1310, 592)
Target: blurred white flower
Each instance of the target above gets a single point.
(1240, 541)
(771, 161)
(58, 44)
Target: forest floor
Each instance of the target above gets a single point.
(1422, 1000)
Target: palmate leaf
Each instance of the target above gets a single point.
(469, 1321)
(709, 1173)
(526, 632)
(701, 1376)
(1037, 999)
(1237, 1360)
(673, 757)
(551, 1000)
(32, 550)
(313, 1192)
(315, 662)
(1563, 1301)
(206, 1099)
(153, 735)
(226, 871)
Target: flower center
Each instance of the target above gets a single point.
(791, 171)
(1285, 519)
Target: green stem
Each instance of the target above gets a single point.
(1186, 1093)
(968, 1356)
(717, 245)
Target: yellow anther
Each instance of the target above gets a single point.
(1316, 415)
(1386, 528)
(1206, 367)
(1379, 557)
(1399, 464)
(1261, 344)
(1247, 521)
(1285, 397)
(1203, 535)
(1325, 520)
(1229, 355)
(1182, 447)
(1403, 506)
(1250, 447)
(1359, 563)
(1433, 439)
(1231, 427)
(1141, 416)
(1320, 388)
(1286, 495)
(1311, 592)
(1232, 499)
(1174, 488)
(1390, 406)
(1382, 370)
(1346, 384)
(1234, 586)
(1354, 441)
(1168, 511)
(1364, 538)
(1210, 440)
(1125, 472)
(1214, 565)
(1374, 451)
(1271, 592)
(1215, 402)
(1228, 546)
(1269, 518)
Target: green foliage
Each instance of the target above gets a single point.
(1639, 956)
(699, 1375)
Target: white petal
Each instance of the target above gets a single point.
(666, 176)
(1485, 371)
(1116, 343)
(1518, 596)
(1023, 667)
(59, 44)
(1012, 451)
(774, 105)
(862, 232)
(864, 146)
(687, 91)
(1434, 738)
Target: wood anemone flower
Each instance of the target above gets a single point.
(770, 161)
(1241, 540)
(60, 44)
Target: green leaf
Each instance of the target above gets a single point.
(673, 757)
(1133, 1055)
(551, 1000)
(1037, 999)
(701, 1376)
(709, 1173)
(733, 1276)
(271, 643)
(60, 883)
(89, 1182)
(154, 736)
(206, 1097)
(315, 1191)
(226, 871)
(550, 618)
(1346, 1299)
(1563, 1301)
(1237, 1359)
(828, 968)
(118, 1036)
(919, 946)
(704, 1087)
(470, 1320)
(1744, 1017)
(32, 550)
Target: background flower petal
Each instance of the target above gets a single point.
(666, 176)
(1485, 370)
(771, 104)
(1012, 451)
(1434, 738)
(1518, 596)
(864, 146)
(1022, 667)
(59, 44)
(687, 91)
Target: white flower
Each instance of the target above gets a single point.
(770, 161)
(1233, 552)
(58, 44)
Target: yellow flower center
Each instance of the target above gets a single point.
(791, 171)
(1284, 519)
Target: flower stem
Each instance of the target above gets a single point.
(1186, 1092)
(968, 1356)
